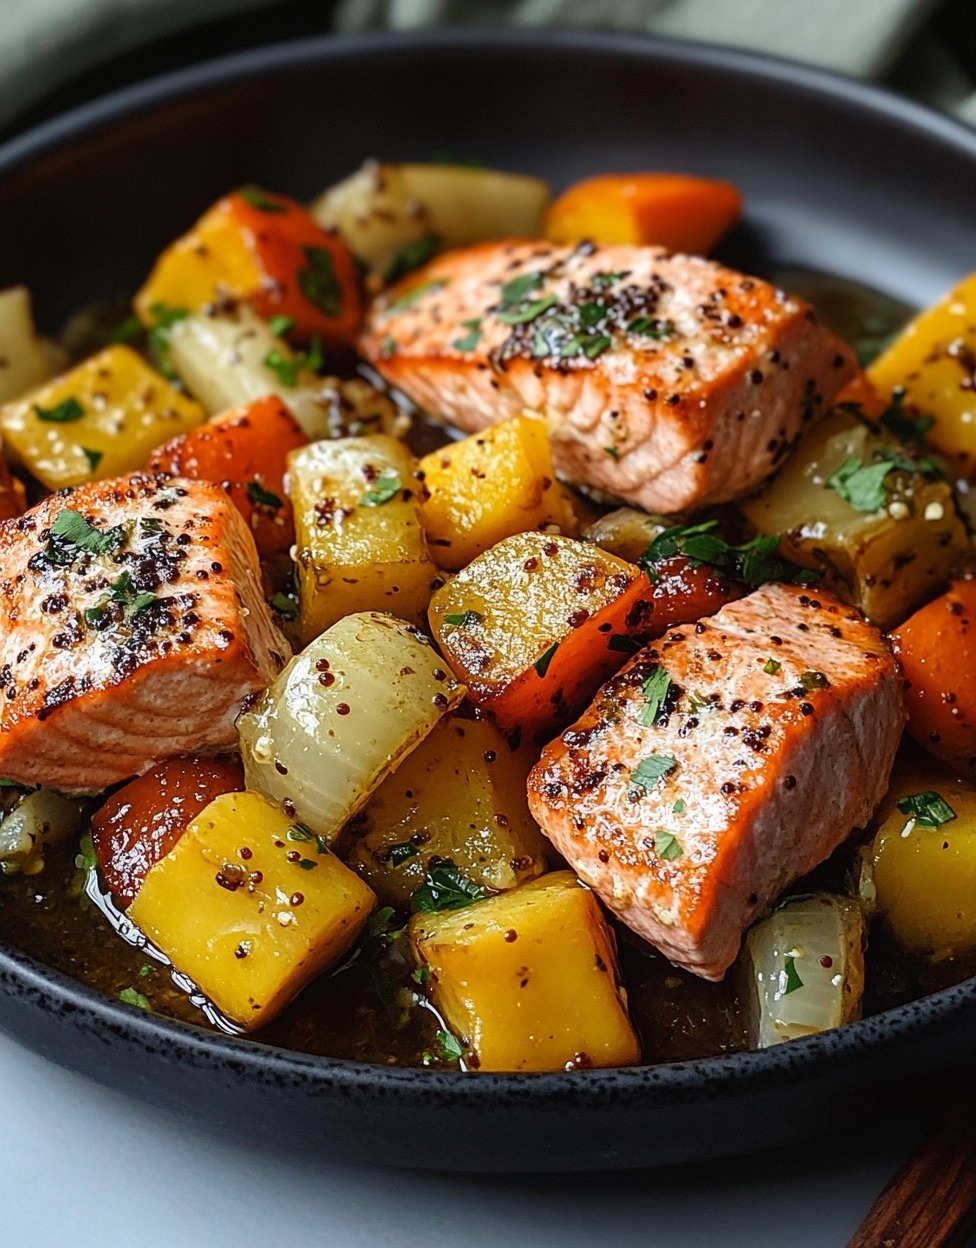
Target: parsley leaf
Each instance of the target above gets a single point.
(129, 330)
(519, 288)
(541, 664)
(612, 452)
(285, 367)
(412, 255)
(464, 618)
(131, 996)
(793, 980)
(94, 458)
(679, 807)
(905, 428)
(264, 498)
(813, 680)
(655, 689)
(651, 769)
(71, 534)
(420, 975)
(528, 311)
(318, 282)
(772, 666)
(753, 563)
(280, 325)
(446, 887)
(861, 485)
(447, 1048)
(666, 845)
(470, 340)
(286, 607)
(85, 859)
(164, 318)
(398, 854)
(590, 345)
(65, 413)
(385, 487)
(261, 200)
(648, 327)
(929, 809)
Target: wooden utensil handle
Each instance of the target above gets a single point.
(931, 1201)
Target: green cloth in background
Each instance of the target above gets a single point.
(44, 43)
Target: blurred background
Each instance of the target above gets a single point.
(58, 53)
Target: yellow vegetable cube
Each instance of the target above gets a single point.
(488, 487)
(924, 876)
(459, 795)
(528, 980)
(360, 545)
(251, 906)
(932, 361)
(100, 419)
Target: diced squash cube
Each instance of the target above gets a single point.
(459, 795)
(342, 715)
(22, 361)
(673, 210)
(931, 361)
(886, 559)
(536, 624)
(489, 486)
(924, 869)
(251, 907)
(244, 450)
(101, 419)
(360, 544)
(264, 250)
(395, 215)
(528, 980)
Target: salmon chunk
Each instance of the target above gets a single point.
(665, 380)
(132, 629)
(722, 763)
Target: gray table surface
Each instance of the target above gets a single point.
(82, 1166)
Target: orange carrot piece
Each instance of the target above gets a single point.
(245, 450)
(673, 210)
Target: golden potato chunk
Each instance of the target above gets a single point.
(251, 905)
(459, 795)
(360, 544)
(100, 419)
(932, 363)
(528, 980)
(886, 540)
(488, 487)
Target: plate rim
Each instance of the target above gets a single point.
(723, 1075)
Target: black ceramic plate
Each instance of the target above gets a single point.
(837, 177)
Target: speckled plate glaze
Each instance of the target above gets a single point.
(837, 176)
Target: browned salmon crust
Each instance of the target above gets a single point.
(131, 643)
(781, 723)
(666, 380)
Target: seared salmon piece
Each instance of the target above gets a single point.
(666, 380)
(132, 629)
(722, 763)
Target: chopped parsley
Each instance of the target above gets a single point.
(447, 1048)
(590, 345)
(85, 859)
(753, 563)
(318, 282)
(542, 663)
(303, 834)
(470, 340)
(141, 602)
(905, 428)
(307, 864)
(679, 807)
(286, 607)
(94, 458)
(813, 680)
(386, 487)
(648, 327)
(793, 980)
(928, 809)
(420, 975)
(612, 452)
(132, 996)
(64, 413)
(145, 970)
(412, 255)
(71, 535)
(655, 689)
(464, 618)
(446, 887)
(129, 330)
(261, 200)
(600, 281)
(10, 784)
(651, 769)
(164, 318)
(522, 313)
(861, 485)
(280, 325)
(380, 923)
(285, 367)
(772, 666)
(398, 854)
(519, 288)
(264, 498)
(666, 845)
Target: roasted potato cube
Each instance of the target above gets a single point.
(896, 543)
(459, 795)
(488, 487)
(528, 980)
(22, 361)
(396, 216)
(264, 250)
(342, 715)
(100, 419)
(251, 905)
(626, 532)
(536, 624)
(923, 864)
(360, 544)
(931, 363)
